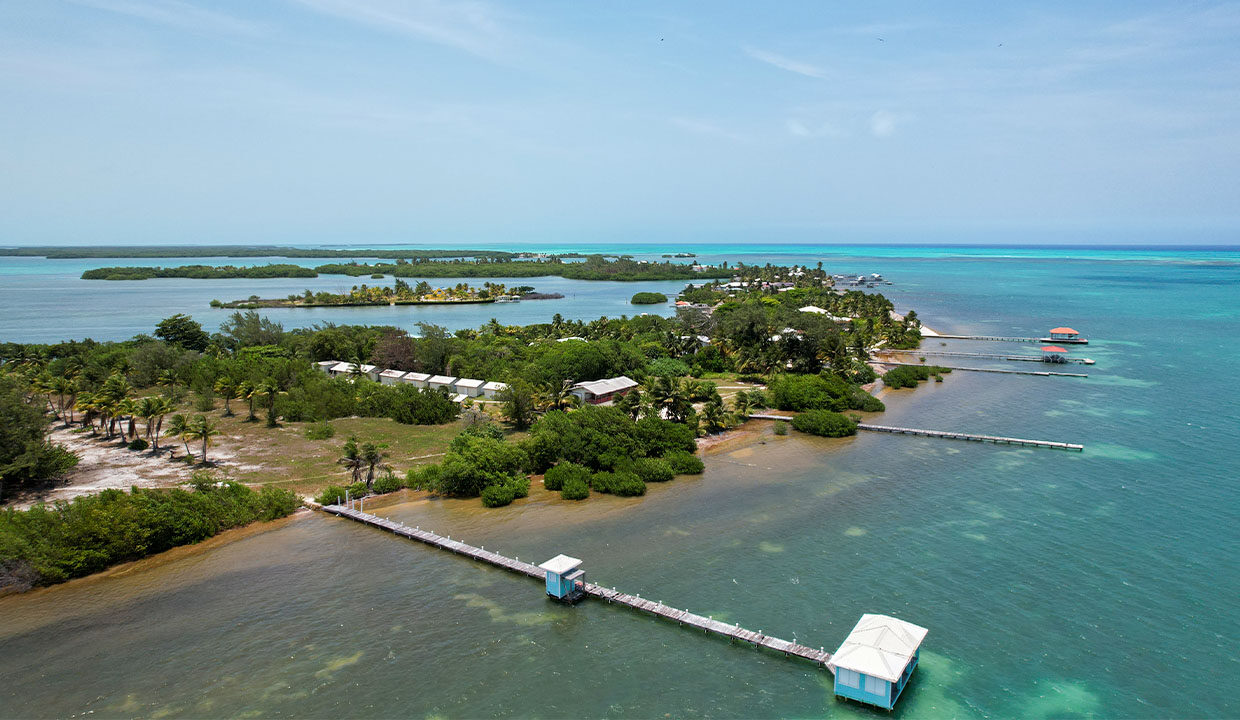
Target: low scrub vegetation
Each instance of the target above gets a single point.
(825, 423)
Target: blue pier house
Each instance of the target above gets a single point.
(876, 660)
(566, 581)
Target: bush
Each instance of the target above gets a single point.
(138, 444)
(648, 298)
(820, 392)
(386, 483)
(205, 402)
(575, 489)
(321, 430)
(358, 489)
(652, 470)
(781, 427)
(624, 484)
(424, 478)
(668, 367)
(825, 423)
(415, 406)
(520, 486)
(558, 476)
(907, 376)
(494, 496)
(473, 463)
(330, 495)
(683, 463)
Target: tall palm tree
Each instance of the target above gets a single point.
(178, 426)
(558, 397)
(87, 404)
(352, 459)
(245, 390)
(268, 390)
(128, 408)
(226, 386)
(200, 428)
(65, 389)
(147, 409)
(372, 455)
(164, 406)
(740, 402)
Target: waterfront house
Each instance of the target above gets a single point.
(416, 379)
(566, 581)
(391, 377)
(491, 390)
(876, 660)
(601, 391)
(441, 381)
(1054, 354)
(469, 387)
(1066, 335)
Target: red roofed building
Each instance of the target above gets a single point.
(1054, 353)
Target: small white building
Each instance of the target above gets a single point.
(416, 379)
(492, 389)
(391, 377)
(469, 386)
(327, 365)
(441, 381)
(345, 369)
(601, 391)
(876, 660)
(814, 309)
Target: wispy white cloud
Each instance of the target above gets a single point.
(175, 13)
(475, 27)
(800, 129)
(786, 63)
(883, 123)
(702, 127)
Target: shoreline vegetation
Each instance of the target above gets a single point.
(773, 337)
(593, 267)
(401, 293)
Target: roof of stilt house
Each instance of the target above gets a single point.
(1053, 349)
(879, 646)
(1064, 331)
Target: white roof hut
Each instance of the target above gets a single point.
(879, 646)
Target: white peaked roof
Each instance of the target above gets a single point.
(879, 646)
(459, 398)
(417, 377)
(610, 385)
(348, 367)
(442, 380)
(392, 373)
(467, 382)
(327, 363)
(560, 564)
(814, 309)
(495, 386)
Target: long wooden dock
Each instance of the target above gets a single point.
(993, 338)
(1042, 373)
(992, 356)
(997, 439)
(733, 632)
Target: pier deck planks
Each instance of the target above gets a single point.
(684, 617)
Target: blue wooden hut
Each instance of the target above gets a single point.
(876, 660)
(566, 581)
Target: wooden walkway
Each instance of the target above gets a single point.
(733, 632)
(995, 356)
(997, 439)
(1042, 373)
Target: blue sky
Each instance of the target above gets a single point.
(433, 121)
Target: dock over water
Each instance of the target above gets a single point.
(817, 656)
(996, 439)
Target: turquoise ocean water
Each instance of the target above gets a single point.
(1099, 584)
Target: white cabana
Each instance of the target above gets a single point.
(440, 381)
(469, 386)
(880, 646)
(492, 389)
(416, 379)
(391, 377)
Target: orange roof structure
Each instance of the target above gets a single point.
(1053, 349)
(1064, 331)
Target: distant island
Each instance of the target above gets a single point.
(648, 298)
(173, 251)
(593, 267)
(402, 293)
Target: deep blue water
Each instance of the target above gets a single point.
(1099, 584)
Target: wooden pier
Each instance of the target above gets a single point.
(1043, 373)
(993, 356)
(997, 439)
(993, 338)
(817, 656)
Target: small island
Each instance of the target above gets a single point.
(402, 293)
(648, 298)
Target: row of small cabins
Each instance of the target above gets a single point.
(594, 392)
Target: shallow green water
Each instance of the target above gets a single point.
(1054, 584)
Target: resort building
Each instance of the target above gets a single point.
(469, 387)
(345, 369)
(601, 391)
(566, 581)
(418, 380)
(1065, 334)
(327, 365)
(441, 381)
(876, 660)
(391, 377)
(491, 390)
(1054, 354)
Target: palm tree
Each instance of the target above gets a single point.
(352, 459)
(200, 428)
(559, 397)
(269, 390)
(65, 389)
(148, 408)
(740, 402)
(246, 390)
(178, 427)
(355, 364)
(372, 455)
(128, 407)
(226, 386)
(160, 406)
(87, 404)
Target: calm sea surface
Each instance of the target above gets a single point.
(1099, 584)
